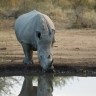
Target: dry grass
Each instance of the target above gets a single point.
(58, 10)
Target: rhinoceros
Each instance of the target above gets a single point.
(44, 87)
(36, 32)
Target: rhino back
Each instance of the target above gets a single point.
(27, 24)
(49, 21)
(24, 26)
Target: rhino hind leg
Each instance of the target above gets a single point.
(28, 53)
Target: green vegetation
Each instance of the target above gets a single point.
(77, 13)
(6, 83)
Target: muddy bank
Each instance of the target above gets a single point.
(65, 70)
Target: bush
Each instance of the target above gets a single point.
(79, 15)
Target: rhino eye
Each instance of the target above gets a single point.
(39, 35)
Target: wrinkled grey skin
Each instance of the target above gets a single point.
(35, 31)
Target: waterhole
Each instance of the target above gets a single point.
(47, 85)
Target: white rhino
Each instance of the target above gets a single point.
(35, 31)
(44, 87)
(28, 89)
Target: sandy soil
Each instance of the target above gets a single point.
(76, 47)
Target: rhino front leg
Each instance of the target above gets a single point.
(28, 53)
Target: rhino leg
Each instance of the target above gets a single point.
(28, 53)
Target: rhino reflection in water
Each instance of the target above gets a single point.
(35, 31)
(45, 85)
(44, 88)
(27, 88)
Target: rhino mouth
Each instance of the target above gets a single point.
(47, 65)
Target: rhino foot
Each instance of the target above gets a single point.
(26, 61)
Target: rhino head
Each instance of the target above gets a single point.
(45, 40)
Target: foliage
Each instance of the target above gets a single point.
(6, 83)
(61, 81)
(55, 9)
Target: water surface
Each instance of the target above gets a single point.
(47, 85)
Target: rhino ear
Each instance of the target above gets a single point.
(38, 35)
(53, 30)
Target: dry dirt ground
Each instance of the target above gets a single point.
(76, 47)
